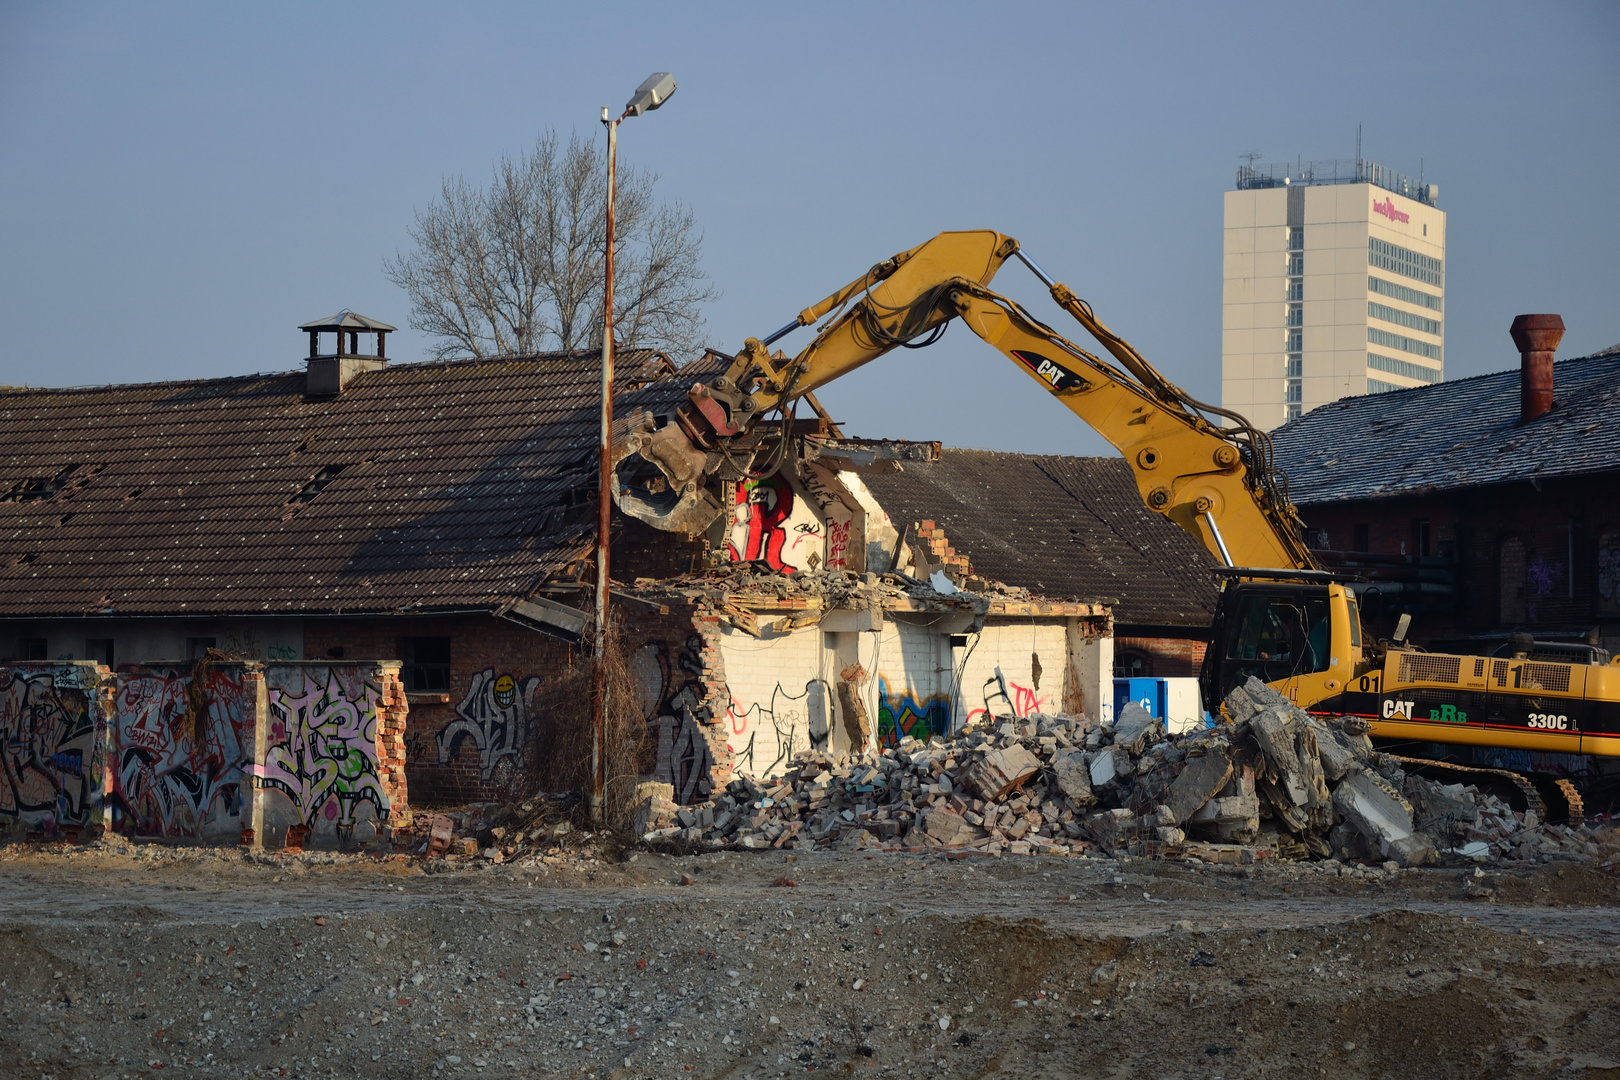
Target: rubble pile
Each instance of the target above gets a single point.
(1269, 781)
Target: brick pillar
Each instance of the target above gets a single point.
(392, 713)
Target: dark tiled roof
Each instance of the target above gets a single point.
(1069, 527)
(1454, 434)
(429, 485)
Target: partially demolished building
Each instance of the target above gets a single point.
(440, 515)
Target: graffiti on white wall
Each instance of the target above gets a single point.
(766, 734)
(494, 714)
(773, 524)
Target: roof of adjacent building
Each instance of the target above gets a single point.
(1060, 526)
(1457, 434)
(421, 487)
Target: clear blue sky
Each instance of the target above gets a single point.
(181, 185)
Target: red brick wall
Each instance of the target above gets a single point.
(1474, 524)
(483, 649)
(1167, 657)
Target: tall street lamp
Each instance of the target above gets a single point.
(648, 96)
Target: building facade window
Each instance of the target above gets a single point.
(1294, 366)
(1379, 386)
(427, 663)
(1402, 368)
(1295, 341)
(99, 650)
(197, 647)
(1404, 261)
(1403, 318)
(1401, 292)
(1296, 315)
(1130, 664)
(1295, 391)
(1362, 540)
(1296, 289)
(31, 648)
(1510, 581)
(1296, 238)
(1403, 343)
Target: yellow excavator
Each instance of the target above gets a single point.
(1280, 616)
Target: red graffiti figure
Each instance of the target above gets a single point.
(763, 506)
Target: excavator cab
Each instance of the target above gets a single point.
(1297, 630)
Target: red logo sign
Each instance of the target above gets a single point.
(1387, 208)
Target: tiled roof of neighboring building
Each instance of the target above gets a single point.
(421, 487)
(1070, 527)
(1454, 434)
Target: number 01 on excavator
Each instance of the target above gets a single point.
(1280, 616)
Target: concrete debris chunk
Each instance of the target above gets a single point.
(1001, 771)
(1073, 777)
(1204, 775)
(1135, 727)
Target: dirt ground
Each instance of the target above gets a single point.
(121, 962)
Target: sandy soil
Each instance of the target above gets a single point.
(119, 964)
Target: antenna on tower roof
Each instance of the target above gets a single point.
(1358, 144)
(1251, 157)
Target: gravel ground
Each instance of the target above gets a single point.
(121, 962)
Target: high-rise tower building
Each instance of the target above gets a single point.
(1334, 286)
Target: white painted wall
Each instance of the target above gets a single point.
(784, 687)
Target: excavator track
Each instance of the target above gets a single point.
(1514, 789)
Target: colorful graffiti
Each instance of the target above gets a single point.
(757, 532)
(494, 714)
(49, 764)
(1017, 700)
(765, 737)
(838, 543)
(902, 714)
(173, 776)
(322, 745)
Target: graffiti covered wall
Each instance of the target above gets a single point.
(334, 735)
(168, 752)
(493, 715)
(179, 750)
(772, 522)
(52, 746)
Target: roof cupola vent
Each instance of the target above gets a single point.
(330, 372)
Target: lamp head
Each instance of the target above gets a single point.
(651, 94)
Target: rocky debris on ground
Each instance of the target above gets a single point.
(1268, 781)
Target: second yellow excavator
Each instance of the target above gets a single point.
(1280, 617)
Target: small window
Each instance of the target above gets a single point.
(1420, 534)
(1363, 540)
(1296, 391)
(1296, 288)
(959, 641)
(32, 648)
(197, 647)
(1295, 366)
(1296, 238)
(1296, 341)
(1296, 265)
(427, 663)
(1296, 315)
(1131, 664)
(100, 650)
(1295, 412)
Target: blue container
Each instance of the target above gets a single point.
(1151, 694)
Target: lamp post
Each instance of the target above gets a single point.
(652, 93)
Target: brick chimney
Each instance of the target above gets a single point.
(1536, 337)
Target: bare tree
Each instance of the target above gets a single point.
(516, 268)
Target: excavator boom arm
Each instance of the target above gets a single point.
(1216, 483)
